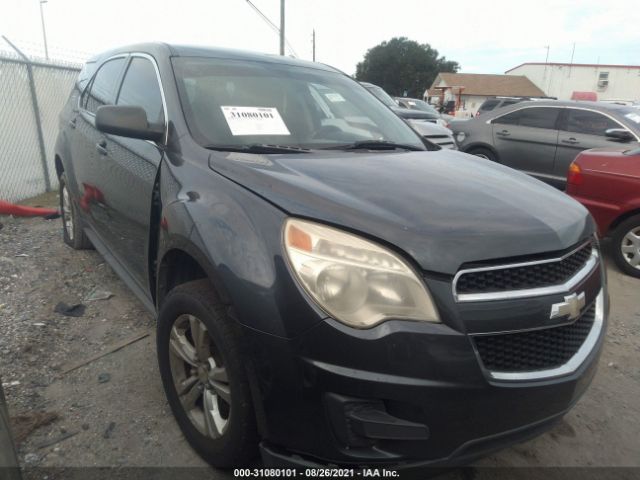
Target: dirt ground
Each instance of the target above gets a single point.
(112, 411)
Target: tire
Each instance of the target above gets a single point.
(227, 436)
(484, 153)
(72, 231)
(626, 246)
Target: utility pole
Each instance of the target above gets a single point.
(281, 27)
(44, 32)
(314, 44)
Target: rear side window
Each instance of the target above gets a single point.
(506, 103)
(535, 117)
(140, 88)
(489, 105)
(539, 117)
(509, 119)
(589, 123)
(103, 87)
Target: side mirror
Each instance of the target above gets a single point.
(127, 122)
(619, 134)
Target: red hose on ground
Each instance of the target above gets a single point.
(7, 208)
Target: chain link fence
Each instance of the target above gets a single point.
(32, 94)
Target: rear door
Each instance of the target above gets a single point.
(581, 129)
(128, 171)
(526, 139)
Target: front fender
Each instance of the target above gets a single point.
(235, 236)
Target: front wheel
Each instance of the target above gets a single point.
(484, 153)
(626, 246)
(202, 371)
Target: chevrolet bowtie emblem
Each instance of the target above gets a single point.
(571, 307)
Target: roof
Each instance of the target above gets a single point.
(489, 85)
(595, 65)
(612, 108)
(159, 48)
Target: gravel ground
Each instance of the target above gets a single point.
(112, 412)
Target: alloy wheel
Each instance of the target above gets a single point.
(199, 376)
(67, 212)
(630, 247)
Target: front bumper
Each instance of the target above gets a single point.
(428, 377)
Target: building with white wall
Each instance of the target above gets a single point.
(469, 90)
(561, 80)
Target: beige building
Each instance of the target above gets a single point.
(469, 90)
(561, 80)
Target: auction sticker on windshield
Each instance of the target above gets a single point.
(254, 121)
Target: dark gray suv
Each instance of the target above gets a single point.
(329, 287)
(9, 468)
(542, 138)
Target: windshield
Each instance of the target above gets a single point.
(243, 103)
(415, 104)
(381, 95)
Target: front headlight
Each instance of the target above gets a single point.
(354, 280)
(460, 137)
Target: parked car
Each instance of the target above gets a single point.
(329, 287)
(425, 123)
(422, 106)
(607, 182)
(542, 138)
(496, 103)
(9, 466)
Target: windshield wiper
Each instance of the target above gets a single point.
(258, 148)
(375, 145)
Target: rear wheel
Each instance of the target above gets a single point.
(72, 231)
(484, 153)
(203, 376)
(626, 246)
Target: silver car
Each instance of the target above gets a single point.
(542, 138)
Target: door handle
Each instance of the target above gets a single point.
(503, 133)
(570, 141)
(72, 123)
(101, 147)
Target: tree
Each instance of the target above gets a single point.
(401, 65)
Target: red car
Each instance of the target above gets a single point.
(607, 182)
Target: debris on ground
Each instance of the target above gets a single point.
(25, 424)
(76, 310)
(53, 441)
(104, 378)
(98, 294)
(109, 350)
(31, 459)
(110, 428)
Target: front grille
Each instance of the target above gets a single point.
(536, 275)
(444, 141)
(534, 350)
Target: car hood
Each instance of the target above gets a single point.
(414, 114)
(428, 128)
(442, 208)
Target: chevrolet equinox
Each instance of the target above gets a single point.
(330, 288)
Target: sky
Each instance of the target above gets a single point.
(483, 36)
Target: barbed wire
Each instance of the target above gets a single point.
(35, 51)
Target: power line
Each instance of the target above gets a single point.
(273, 26)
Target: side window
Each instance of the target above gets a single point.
(589, 123)
(509, 119)
(489, 105)
(539, 117)
(102, 88)
(140, 88)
